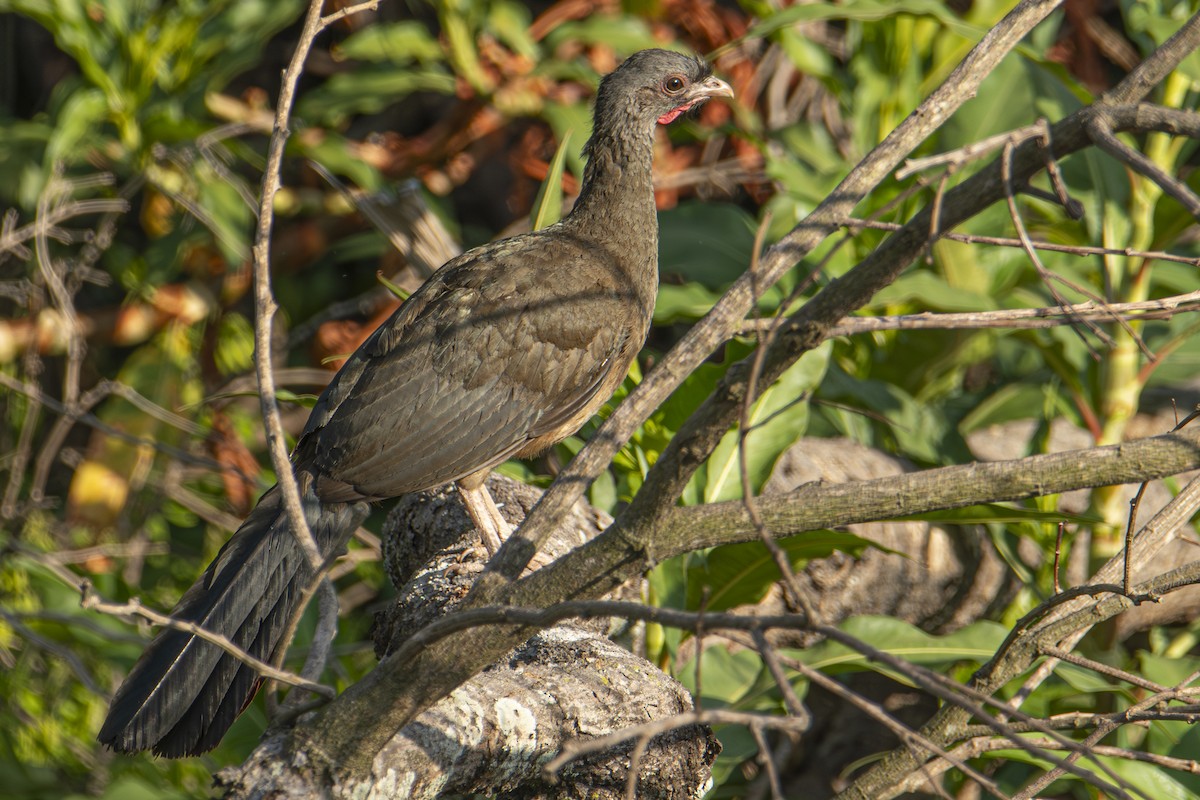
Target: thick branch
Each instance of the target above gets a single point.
(605, 562)
(498, 730)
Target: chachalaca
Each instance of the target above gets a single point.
(503, 352)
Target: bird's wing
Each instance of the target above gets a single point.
(502, 346)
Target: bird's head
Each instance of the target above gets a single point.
(658, 86)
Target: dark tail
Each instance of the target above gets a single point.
(184, 692)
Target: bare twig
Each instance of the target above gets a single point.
(1049, 317)
(1099, 127)
(92, 601)
(1004, 241)
(1103, 669)
(264, 302)
(1058, 539)
(955, 159)
(1048, 278)
(765, 758)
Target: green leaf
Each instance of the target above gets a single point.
(984, 513)
(689, 301)
(510, 23)
(548, 205)
(1012, 401)
(926, 290)
(78, 122)
(975, 643)
(1167, 671)
(1150, 780)
(728, 678)
(1085, 681)
(708, 243)
(777, 420)
(370, 90)
(738, 574)
(234, 351)
(392, 42)
(862, 11)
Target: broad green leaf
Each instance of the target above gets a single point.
(1012, 401)
(1151, 780)
(1148, 780)
(709, 243)
(1166, 671)
(926, 290)
(737, 574)
(777, 420)
(689, 301)
(1086, 681)
(975, 643)
(728, 678)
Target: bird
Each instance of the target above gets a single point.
(504, 351)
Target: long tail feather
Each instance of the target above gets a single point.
(184, 693)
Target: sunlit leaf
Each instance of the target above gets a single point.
(548, 205)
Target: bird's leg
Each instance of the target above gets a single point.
(483, 512)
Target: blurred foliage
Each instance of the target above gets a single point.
(486, 104)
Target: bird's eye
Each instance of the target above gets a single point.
(673, 84)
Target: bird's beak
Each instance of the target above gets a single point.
(711, 86)
(700, 92)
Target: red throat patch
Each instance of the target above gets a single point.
(671, 116)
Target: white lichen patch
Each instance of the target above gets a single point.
(516, 733)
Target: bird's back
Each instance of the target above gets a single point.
(504, 351)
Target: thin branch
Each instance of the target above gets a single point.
(768, 763)
(1102, 669)
(955, 159)
(1099, 127)
(92, 601)
(1048, 279)
(93, 421)
(1004, 241)
(264, 302)
(1048, 317)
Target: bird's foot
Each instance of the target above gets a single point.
(493, 528)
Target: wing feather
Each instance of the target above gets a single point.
(445, 389)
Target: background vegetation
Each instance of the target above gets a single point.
(132, 138)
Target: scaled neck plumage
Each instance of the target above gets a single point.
(616, 199)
